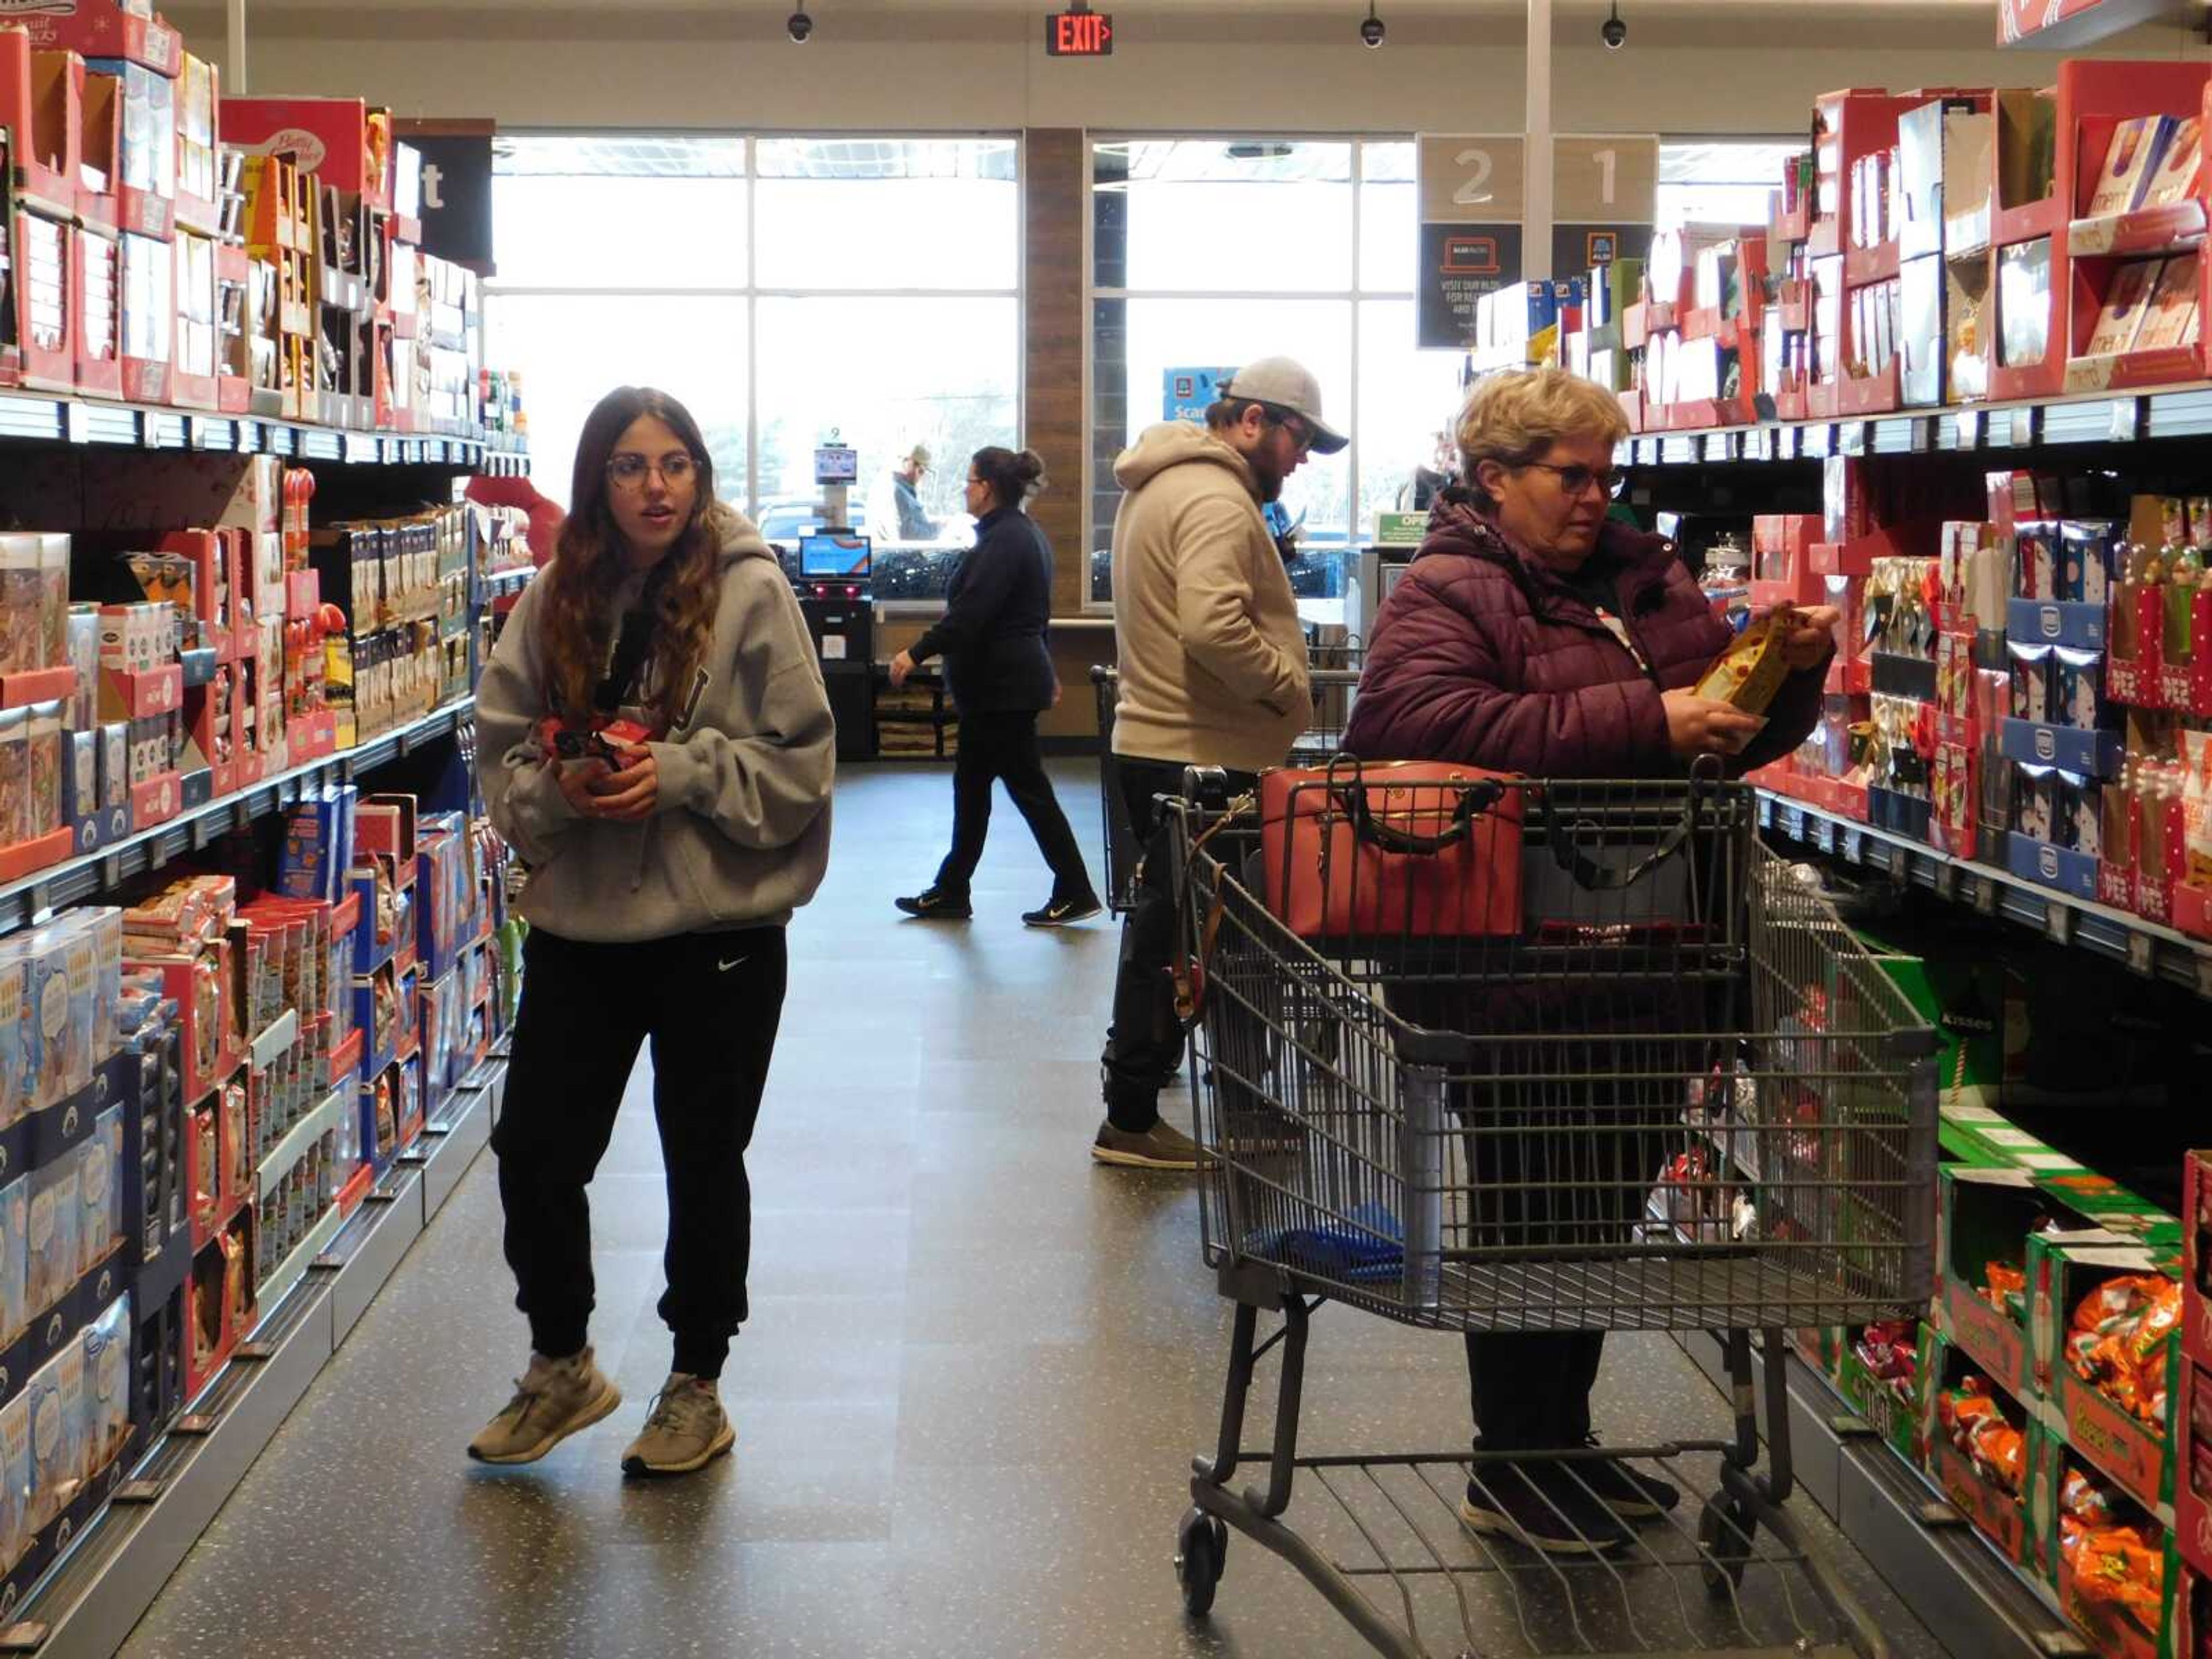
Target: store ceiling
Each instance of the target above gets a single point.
(1920, 24)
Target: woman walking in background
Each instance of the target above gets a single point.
(992, 636)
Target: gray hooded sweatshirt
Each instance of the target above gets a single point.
(740, 834)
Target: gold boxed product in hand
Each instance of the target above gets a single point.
(1750, 672)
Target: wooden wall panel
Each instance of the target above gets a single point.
(1052, 196)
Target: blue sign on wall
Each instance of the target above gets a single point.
(1188, 393)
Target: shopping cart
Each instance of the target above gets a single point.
(1333, 671)
(1671, 1093)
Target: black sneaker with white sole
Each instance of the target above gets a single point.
(1539, 1505)
(1060, 912)
(934, 904)
(1625, 1490)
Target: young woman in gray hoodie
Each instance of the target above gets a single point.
(662, 873)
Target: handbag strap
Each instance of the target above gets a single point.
(1474, 800)
(1595, 878)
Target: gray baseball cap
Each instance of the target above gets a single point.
(1287, 384)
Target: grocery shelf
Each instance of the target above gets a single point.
(2144, 946)
(22, 902)
(2104, 418)
(87, 1606)
(45, 417)
(1922, 1547)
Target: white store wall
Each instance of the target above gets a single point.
(1192, 70)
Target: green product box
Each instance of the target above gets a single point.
(1999, 1515)
(1890, 1407)
(1964, 998)
(2138, 1456)
(2114, 1629)
(1985, 1216)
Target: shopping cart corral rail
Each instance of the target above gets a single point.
(1460, 1043)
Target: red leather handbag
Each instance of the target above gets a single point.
(1396, 849)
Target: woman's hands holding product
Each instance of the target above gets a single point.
(630, 794)
(595, 790)
(1706, 725)
(1809, 641)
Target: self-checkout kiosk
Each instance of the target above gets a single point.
(837, 599)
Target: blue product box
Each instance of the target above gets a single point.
(2053, 621)
(2087, 754)
(2092, 556)
(306, 868)
(2071, 872)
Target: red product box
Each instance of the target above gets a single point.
(103, 28)
(2135, 658)
(2196, 1259)
(2192, 1482)
(45, 299)
(96, 308)
(340, 139)
(40, 95)
(127, 696)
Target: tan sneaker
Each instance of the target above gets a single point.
(686, 1430)
(552, 1399)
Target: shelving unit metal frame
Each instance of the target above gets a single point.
(87, 1603)
(1919, 1542)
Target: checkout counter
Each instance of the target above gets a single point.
(836, 599)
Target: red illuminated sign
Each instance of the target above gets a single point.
(1079, 34)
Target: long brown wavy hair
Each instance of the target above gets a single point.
(579, 612)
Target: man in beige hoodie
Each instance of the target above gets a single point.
(1213, 673)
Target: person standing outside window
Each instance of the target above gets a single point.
(1212, 664)
(660, 883)
(896, 514)
(1000, 670)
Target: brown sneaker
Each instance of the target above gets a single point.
(686, 1430)
(552, 1399)
(1163, 1146)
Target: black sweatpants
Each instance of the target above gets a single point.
(1004, 747)
(1144, 1044)
(709, 1005)
(1531, 1391)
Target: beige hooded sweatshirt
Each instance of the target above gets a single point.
(1212, 657)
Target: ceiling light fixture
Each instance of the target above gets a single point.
(1370, 32)
(1612, 31)
(801, 26)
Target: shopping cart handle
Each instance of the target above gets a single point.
(1208, 786)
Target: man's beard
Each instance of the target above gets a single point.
(1264, 475)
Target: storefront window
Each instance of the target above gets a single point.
(1209, 253)
(791, 288)
(887, 374)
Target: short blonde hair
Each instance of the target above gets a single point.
(1513, 418)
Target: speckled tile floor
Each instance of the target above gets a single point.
(977, 1367)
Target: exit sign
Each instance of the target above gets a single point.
(1079, 34)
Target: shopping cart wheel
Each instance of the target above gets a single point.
(1201, 1547)
(1724, 1533)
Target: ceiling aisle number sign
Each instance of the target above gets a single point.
(1470, 188)
(1605, 198)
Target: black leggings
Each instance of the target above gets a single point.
(1004, 747)
(709, 1004)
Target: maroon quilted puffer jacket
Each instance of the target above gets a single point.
(1482, 655)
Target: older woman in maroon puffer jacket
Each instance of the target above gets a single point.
(1533, 634)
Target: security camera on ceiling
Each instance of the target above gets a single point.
(801, 26)
(1370, 32)
(1612, 31)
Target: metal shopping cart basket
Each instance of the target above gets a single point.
(1333, 671)
(1651, 1083)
